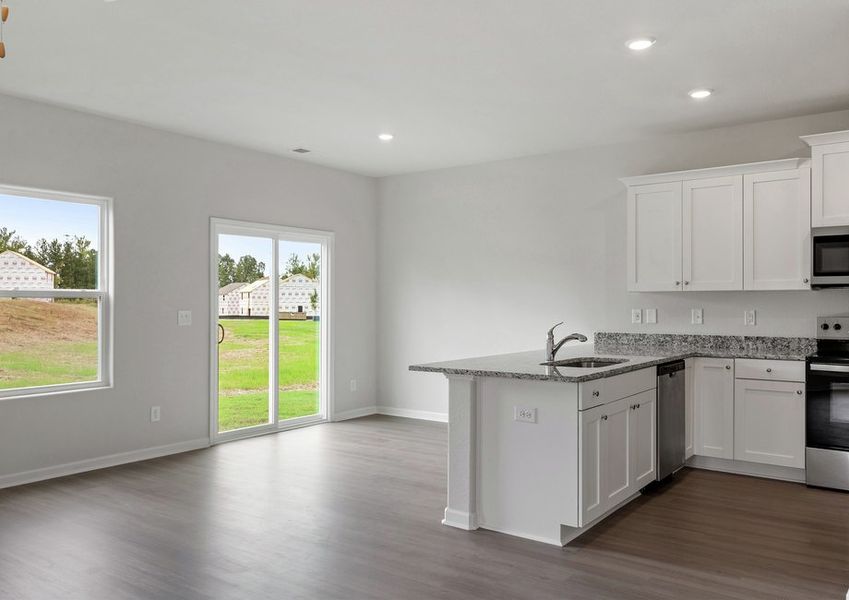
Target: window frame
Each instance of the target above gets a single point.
(103, 293)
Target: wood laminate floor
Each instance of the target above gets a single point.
(351, 510)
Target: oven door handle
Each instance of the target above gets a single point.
(830, 368)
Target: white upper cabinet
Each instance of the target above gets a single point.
(777, 230)
(724, 228)
(830, 178)
(713, 233)
(654, 237)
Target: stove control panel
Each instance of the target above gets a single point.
(833, 328)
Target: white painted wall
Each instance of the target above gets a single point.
(166, 187)
(483, 259)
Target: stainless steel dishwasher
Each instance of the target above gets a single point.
(670, 418)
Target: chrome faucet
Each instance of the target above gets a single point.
(551, 348)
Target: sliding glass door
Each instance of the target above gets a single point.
(269, 328)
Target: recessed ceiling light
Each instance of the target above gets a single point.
(300, 150)
(386, 137)
(700, 93)
(641, 43)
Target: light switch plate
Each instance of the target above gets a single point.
(651, 315)
(636, 315)
(524, 415)
(749, 317)
(184, 318)
(155, 414)
(697, 316)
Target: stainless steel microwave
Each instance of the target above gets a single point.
(830, 254)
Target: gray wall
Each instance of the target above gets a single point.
(166, 187)
(482, 259)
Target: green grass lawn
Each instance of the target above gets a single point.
(52, 343)
(47, 343)
(243, 372)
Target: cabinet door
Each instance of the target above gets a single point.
(616, 452)
(769, 422)
(777, 230)
(713, 233)
(689, 410)
(714, 403)
(654, 237)
(591, 495)
(643, 438)
(830, 185)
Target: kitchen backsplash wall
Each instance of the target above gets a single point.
(484, 259)
(705, 345)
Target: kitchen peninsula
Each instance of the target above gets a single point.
(545, 452)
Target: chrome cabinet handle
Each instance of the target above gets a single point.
(769, 370)
(677, 283)
(830, 368)
(805, 280)
(596, 393)
(728, 367)
(604, 417)
(799, 392)
(686, 283)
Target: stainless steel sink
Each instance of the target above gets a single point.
(583, 363)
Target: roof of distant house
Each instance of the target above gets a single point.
(298, 275)
(29, 260)
(252, 286)
(230, 287)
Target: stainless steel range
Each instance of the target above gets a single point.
(827, 406)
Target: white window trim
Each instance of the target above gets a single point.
(218, 226)
(103, 293)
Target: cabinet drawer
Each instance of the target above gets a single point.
(601, 391)
(770, 370)
(592, 393)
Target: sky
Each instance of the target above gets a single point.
(260, 248)
(33, 219)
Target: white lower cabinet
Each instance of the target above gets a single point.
(689, 409)
(592, 503)
(714, 407)
(643, 438)
(618, 455)
(769, 422)
(754, 420)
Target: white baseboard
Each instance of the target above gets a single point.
(460, 520)
(742, 467)
(391, 411)
(424, 415)
(355, 413)
(101, 462)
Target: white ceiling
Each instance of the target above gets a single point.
(456, 81)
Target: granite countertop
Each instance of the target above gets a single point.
(639, 351)
(525, 365)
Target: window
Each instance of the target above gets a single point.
(55, 294)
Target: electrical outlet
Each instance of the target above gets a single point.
(651, 315)
(524, 415)
(155, 413)
(697, 316)
(184, 318)
(353, 385)
(749, 317)
(636, 315)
